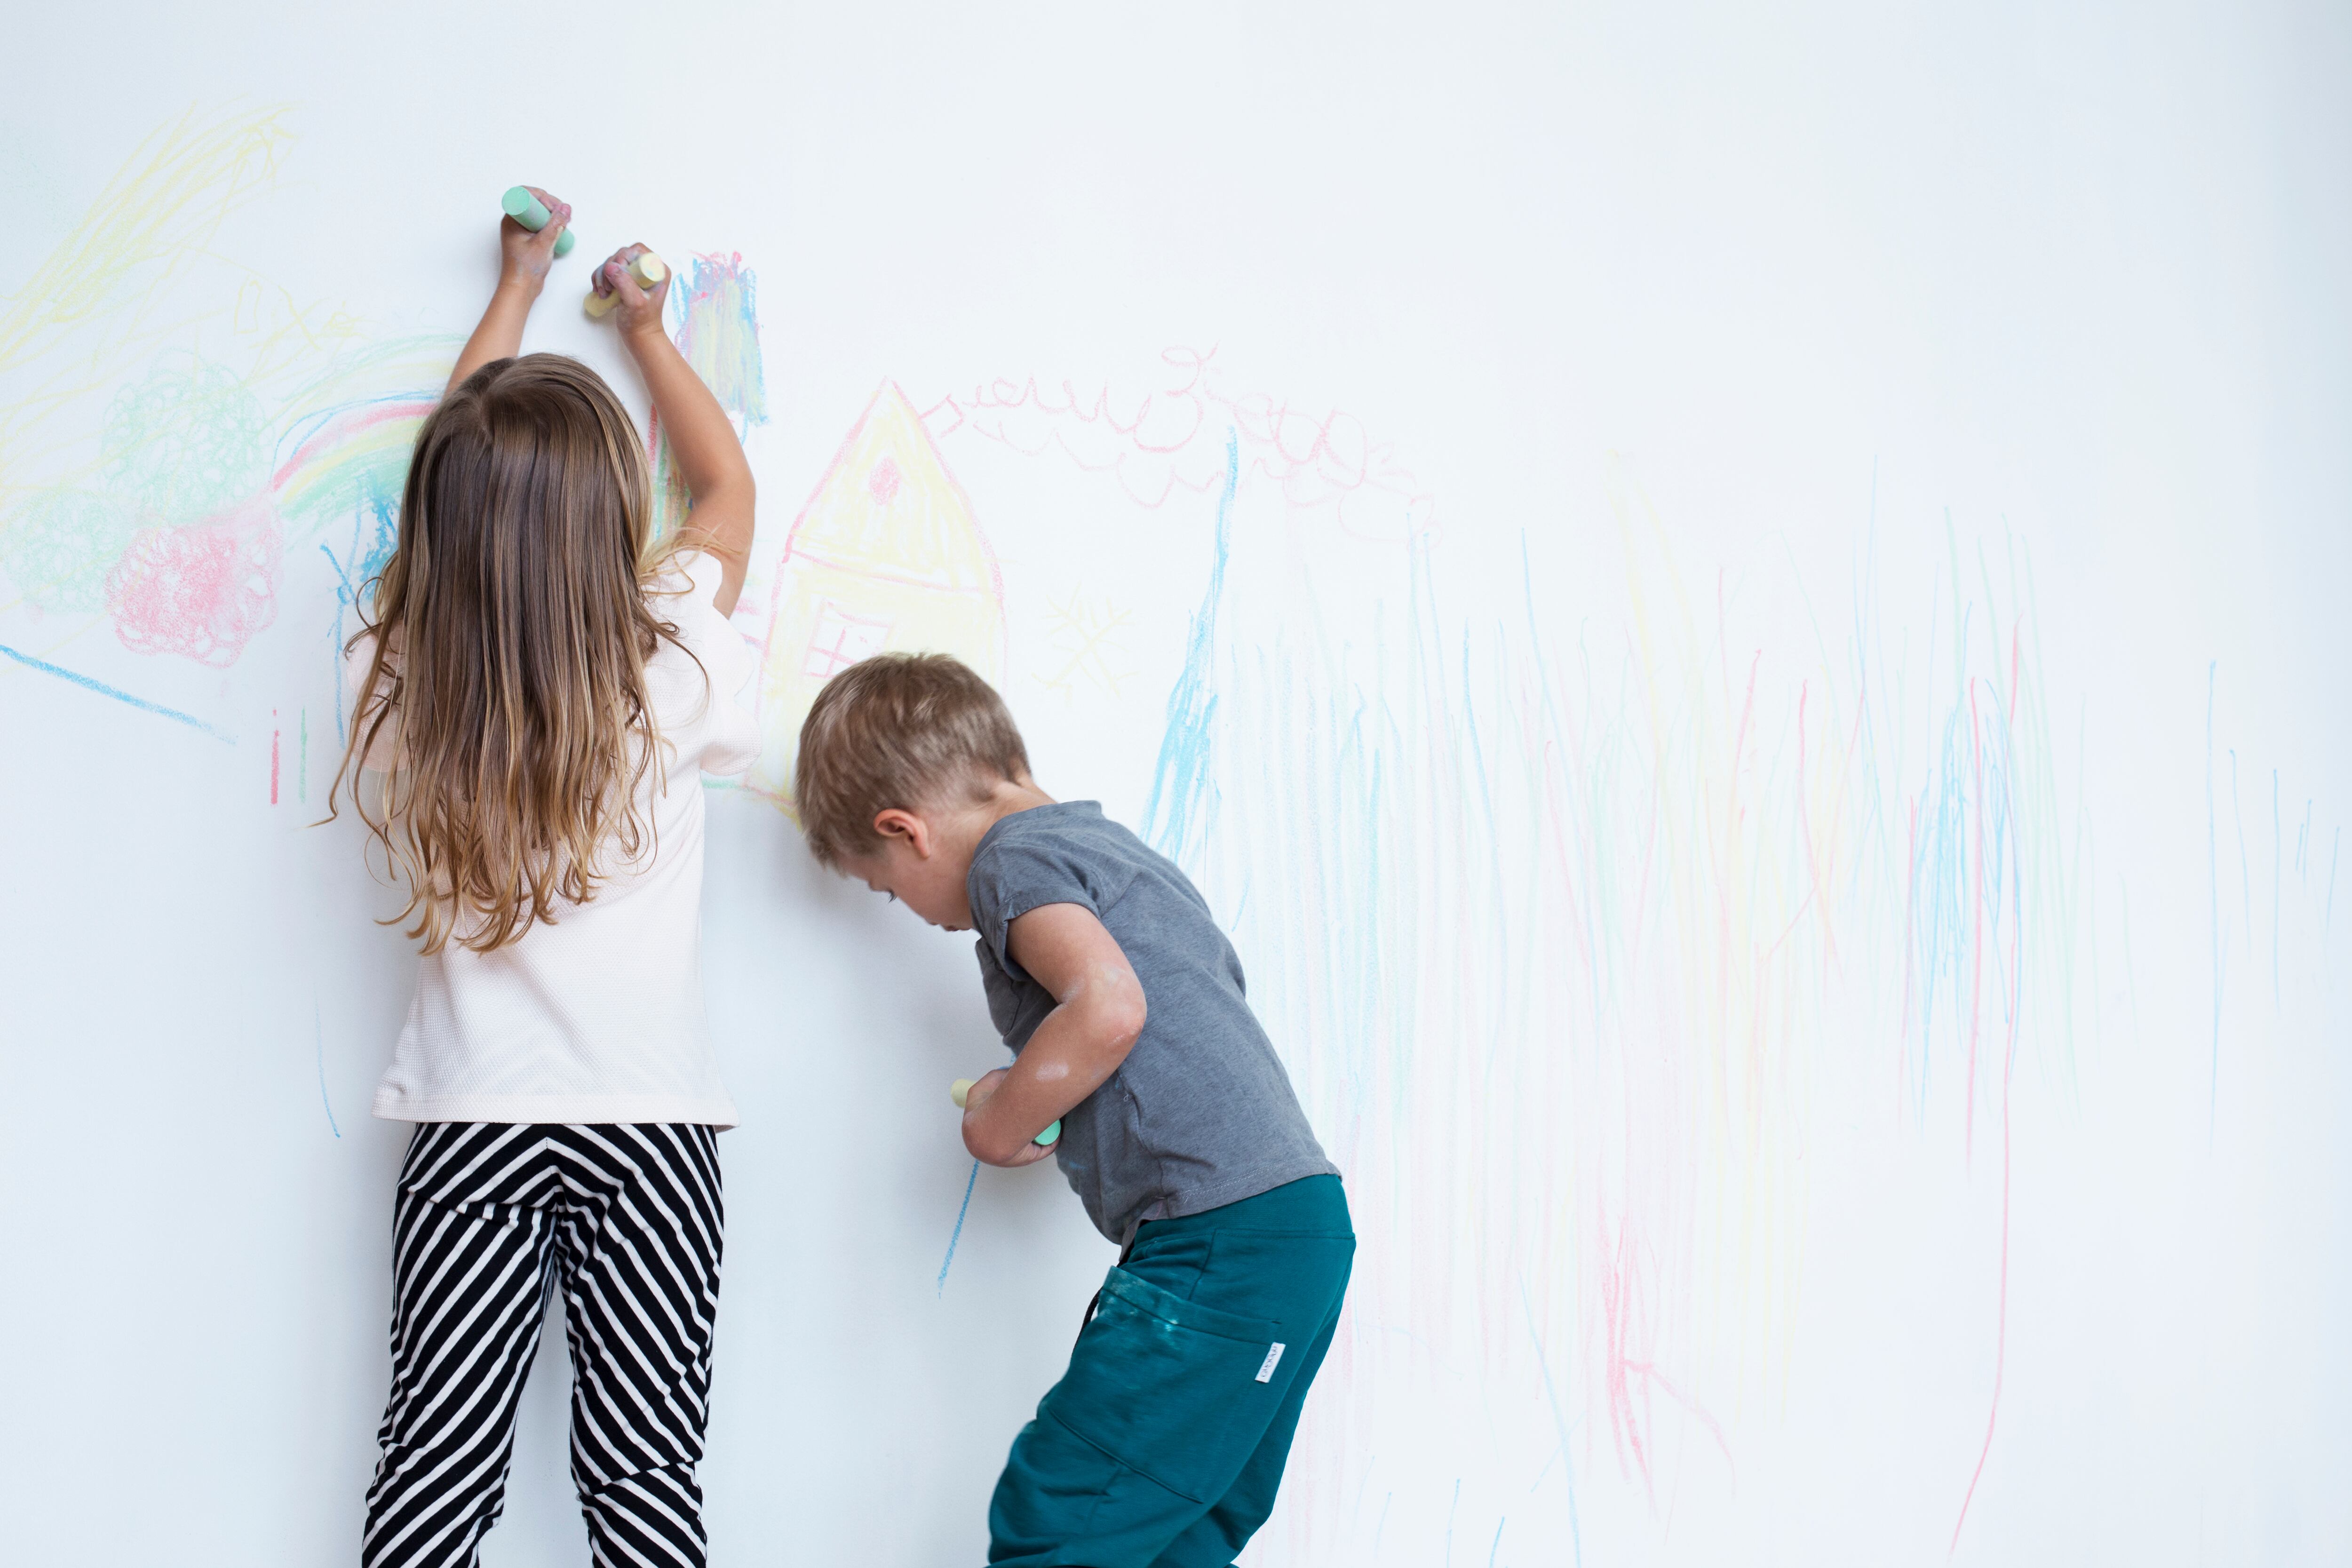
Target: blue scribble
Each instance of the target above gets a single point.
(84, 681)
(969, 1183)
(1181, 781)
(717, 331)
(1559, 1424)
(351, 581)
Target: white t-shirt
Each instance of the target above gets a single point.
(599, 1015)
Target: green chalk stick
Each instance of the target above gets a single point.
(532, 212)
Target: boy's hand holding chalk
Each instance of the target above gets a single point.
(633, 282)
(968, 1093)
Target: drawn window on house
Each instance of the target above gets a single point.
(840, 640)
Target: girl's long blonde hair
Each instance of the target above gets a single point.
(508, 672)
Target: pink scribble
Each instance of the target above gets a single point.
(2001, 1320)
(1174, 439)
(201, 592)
(1630, 1370)
(884, 481)
(2013, 1005)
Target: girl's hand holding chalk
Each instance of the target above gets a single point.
(635, 282)
(533, 208)
(969, 1094)
(535, 231)
(528, 250)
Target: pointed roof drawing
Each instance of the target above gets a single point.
(888, 508)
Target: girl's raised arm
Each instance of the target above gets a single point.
(707, 452)
(523, 261)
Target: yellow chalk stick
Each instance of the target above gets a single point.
(647, 269)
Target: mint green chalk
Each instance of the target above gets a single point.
(532, 212)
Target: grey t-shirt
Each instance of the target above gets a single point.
(1201, 1114)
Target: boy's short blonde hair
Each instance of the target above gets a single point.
(899, 731)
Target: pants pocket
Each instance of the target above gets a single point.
(1295, 1278)
(1169, 1387)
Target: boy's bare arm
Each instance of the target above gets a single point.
(1098, 1016)
(523, 261)
(709, 455)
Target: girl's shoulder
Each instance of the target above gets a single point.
(696, 683)
(684, 591)
(691, 573)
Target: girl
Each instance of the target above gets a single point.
(536, 692)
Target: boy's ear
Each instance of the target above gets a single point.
(907, 826)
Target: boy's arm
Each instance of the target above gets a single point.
(523, 261)
(1099, 1017)
(708, 453)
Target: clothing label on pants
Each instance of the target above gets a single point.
(1266, 1368)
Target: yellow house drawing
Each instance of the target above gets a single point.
(885, 557)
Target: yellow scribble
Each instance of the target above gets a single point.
(101, 300)
(145, 368)
(1080, 631)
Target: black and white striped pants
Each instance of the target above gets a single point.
(490, 1218)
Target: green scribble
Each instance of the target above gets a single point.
(187, 442)
(57, 546)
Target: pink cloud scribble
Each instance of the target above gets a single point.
(201, 592)
(1171, 441)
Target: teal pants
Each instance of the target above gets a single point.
(1163, 1444)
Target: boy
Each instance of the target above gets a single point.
(1163, 1445)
